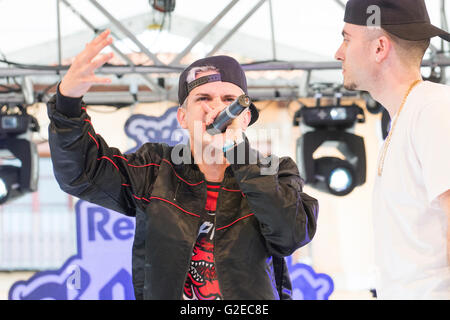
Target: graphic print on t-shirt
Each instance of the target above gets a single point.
(201, 282)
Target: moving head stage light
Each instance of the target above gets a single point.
(330, 125)
(163, 5)
(16, 127)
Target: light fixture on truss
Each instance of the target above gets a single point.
(19, 169)
(331, 124)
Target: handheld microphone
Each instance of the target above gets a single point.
(225, 117)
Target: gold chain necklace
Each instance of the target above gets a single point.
(388, 139)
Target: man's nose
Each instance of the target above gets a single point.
(339, 54)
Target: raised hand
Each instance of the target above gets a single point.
(80, 76)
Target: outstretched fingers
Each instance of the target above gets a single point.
(101, 37)
(94, 47)
(99, 61)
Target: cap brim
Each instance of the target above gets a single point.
(255, 114)
(416, 31)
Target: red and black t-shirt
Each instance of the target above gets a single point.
(201, 282)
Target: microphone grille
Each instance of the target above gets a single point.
(244, 100)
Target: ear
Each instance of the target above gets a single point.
(181, 117)
(382, 48)
(246, 117)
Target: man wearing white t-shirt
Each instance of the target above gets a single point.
(384, 44)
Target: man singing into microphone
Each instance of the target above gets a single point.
(204, 229)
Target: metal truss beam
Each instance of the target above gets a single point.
(203, 32)
(235, 28)
(340, 3)
(125, 31)
(148, 81)
(439, 60)
(124, 98)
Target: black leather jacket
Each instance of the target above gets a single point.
(259, 218)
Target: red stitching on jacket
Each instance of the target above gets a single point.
(231, 190)
(87, 120)
(134, 166)
(158, 165)
(145, 165)
(136, 197)
(121, 157)
(192, 214)
(229, 225)
(191, 184)
(90, 135)
(105, 157)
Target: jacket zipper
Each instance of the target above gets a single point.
(176, 191)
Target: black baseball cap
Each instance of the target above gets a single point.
(406, 19)
(229, 71)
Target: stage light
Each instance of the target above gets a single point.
(334, 175)
(9, 183)
(338, 114)
(331, 125)
(16, 128)
(3, 190)
(340, 180)
(338, 117)
(324, 173)
(163, 5)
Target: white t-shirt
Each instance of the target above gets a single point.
(410, 227)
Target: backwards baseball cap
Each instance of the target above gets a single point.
(406, 19)
(229, 71)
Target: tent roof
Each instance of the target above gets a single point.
(310, 29)
(303, 31)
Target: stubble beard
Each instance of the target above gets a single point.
(350, 85)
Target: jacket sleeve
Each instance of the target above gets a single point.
(273, 187)
(86, 167)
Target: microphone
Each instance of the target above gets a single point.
(227, 115)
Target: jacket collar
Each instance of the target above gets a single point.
(192, 173)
